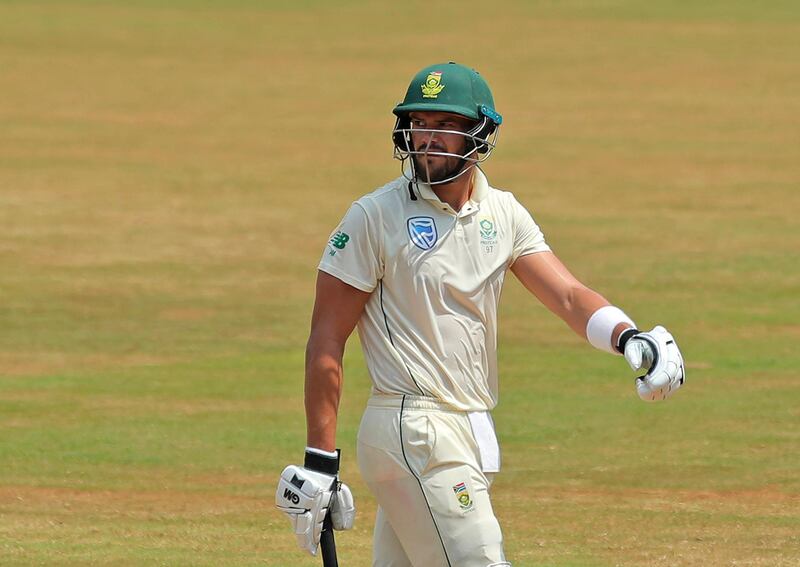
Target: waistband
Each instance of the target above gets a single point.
(414, 402)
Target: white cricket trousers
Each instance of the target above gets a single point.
(421, 460)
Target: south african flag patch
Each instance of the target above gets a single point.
(464, 499)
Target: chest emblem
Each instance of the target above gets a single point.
(487, 230)
(488, 235)
(422, 231)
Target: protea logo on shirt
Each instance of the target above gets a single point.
(422, 231)
(487, 229)
(488, 235)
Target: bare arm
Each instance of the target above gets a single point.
(550, 281)
(337, 308)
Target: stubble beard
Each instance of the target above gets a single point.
(439, 169)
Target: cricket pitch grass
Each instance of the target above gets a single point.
(168, 179)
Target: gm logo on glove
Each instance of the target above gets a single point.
(291, 496)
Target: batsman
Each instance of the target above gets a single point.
(418, 266)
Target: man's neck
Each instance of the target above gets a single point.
(457, 192)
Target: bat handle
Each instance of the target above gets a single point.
(328, 543)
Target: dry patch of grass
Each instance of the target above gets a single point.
(652, 527)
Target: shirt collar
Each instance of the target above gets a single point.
(480, 188)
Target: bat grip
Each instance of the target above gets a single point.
(328, 543)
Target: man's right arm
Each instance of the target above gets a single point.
(306, 494)
(337, 309)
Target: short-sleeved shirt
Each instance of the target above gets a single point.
(435, 275)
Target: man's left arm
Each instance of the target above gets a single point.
(605, 326)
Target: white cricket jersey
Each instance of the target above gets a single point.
(430, 326)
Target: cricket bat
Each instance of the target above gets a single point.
(328, 544)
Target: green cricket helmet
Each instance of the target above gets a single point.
(448, 87)
(454, 88)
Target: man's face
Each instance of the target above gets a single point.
(433, 168)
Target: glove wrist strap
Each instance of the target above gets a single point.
(322, 463)
(624, 337)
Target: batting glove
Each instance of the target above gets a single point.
(306, 494)
(658, 354)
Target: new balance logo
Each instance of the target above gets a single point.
(340, 239)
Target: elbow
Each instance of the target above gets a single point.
(322, 345)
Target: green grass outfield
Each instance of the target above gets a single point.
(168, 179)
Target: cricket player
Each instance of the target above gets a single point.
(418, 265)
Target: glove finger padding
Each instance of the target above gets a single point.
(305, 496)
(343, 509)
(667, 372)
(638, 354)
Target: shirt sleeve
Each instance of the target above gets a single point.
(353, 251)
(528, 237)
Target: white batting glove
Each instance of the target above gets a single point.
(306, 495)
(658, 354)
